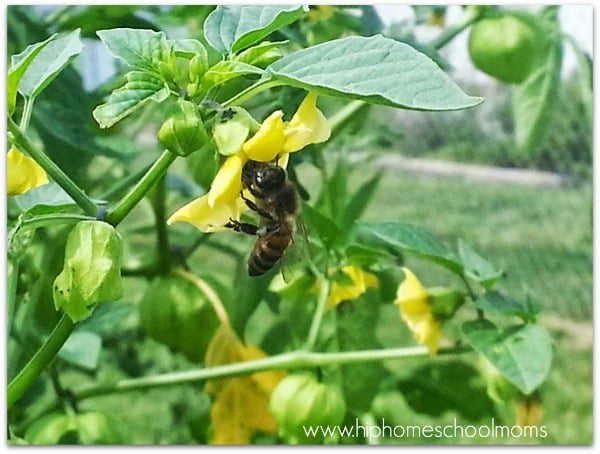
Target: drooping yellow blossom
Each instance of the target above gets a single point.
(361, 281)
(227, 184)
(268, 141)
(308, 125)
(416, 312)
(23, 173)
(275, 139)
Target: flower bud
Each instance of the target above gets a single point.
(183, 132)
(300, 402)
(92, 269)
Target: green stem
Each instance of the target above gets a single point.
(450, 33)
(40, 360)
(51, 219)
(318, 317)
(27, 110)
(342, 115)
(285, 361)
(21, 140)
(251, 91)
(162, 238)
(137, 193)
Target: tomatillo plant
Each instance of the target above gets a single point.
(238, 110)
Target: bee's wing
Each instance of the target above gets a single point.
(298, 253)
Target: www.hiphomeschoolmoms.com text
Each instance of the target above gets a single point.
(454, 430)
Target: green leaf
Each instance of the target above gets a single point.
(188, 47)
(49, 62)
(82, 349)
(436, 388)
(359, 201)
(261, 55)
(49, 198)
(411, 238)
(522, 353)
(18, 65)
(226, 70)
(375, 70)
(233, 28)
(140, 49)
(534, 100)
(478, 268)
(326, 229)
(496, 302)
(140, 89)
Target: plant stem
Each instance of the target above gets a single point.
(23, 142)
(162, 238)
(450, 33)
(288, 361)
(137, 193)
(318, 317)
(343, 114)
(40, 360)
(251, 91)
(27, 110)
(45, 220)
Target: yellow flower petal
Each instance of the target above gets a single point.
(410, 289)
(415, 310)
(361, 281)
(200, 214)
(268, 141)
(308, 125)
(227, 184)
(23, 173)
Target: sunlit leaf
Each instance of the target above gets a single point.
(18, 65)
(231, 28)
(140, 49)
(49, 62)
(411, 238)
(377, 70)
(140, 89)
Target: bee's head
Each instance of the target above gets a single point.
(270, 177)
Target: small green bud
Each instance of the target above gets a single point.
(183, 132)
(92, 269)
(198, 66)
(300, 402)
(445, 302)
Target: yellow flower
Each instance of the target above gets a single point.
(274, 140)
(200, 214)
(415, 310)
(227, 183)
(23, 173)
(361, 281)
(308, 125)
(268, 141)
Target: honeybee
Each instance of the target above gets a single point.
(277, 206)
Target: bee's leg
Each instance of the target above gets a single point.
(243, 227)
(256, 208)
